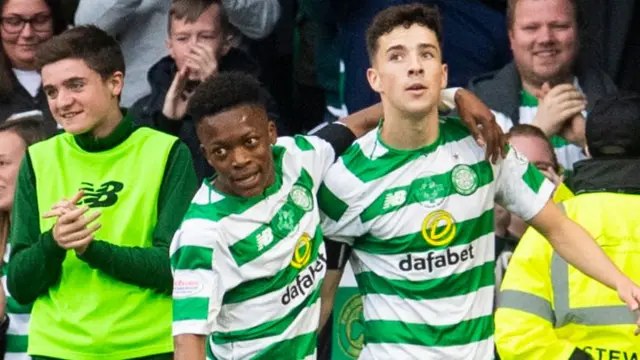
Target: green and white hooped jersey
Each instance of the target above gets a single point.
(248, 272)
(421, 226)
(18, 332)
(567, 153)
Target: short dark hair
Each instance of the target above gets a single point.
(31, 130)
(192, 9)
(225, 91)
(99, 50)
(403, 15)
(511, 10)
(534, 131)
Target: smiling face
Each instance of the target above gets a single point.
(237, 144)
(407, 70)
(80, 99)
(20, 39)
(544, 39)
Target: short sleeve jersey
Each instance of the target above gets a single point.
(420, 223)
(247, 271)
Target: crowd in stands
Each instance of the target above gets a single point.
(156, 155)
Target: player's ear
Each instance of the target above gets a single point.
(273, 133)
(374, 80)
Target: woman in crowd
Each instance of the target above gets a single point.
(15, 137)
(25, 24)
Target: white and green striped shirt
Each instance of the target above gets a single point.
(421, 226)
(248, 272)
(567, 153)
(17, 334)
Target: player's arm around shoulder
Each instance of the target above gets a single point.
(525, 316)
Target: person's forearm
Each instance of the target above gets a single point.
(579, 249)
(330, 286)
(36, 259)
(364, 120)
(189, 347)
(145, 267)
(368, 118)
(33, 269)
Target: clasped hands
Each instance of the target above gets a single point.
(74, 228)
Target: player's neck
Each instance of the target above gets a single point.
(408, 133)
(108, 124)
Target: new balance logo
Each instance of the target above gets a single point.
(264, 238)
(104, 196)
(394, 199)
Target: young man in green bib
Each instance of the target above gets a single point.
(96, 264)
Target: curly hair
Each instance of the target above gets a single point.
(402, 15)
(223, 92)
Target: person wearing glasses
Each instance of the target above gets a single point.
(24, 24)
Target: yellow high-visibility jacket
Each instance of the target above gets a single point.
(547, 309)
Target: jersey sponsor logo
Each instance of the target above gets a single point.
(264, 238)
(301, 196)
(436, 260)
(598, 353)
(184, 286)
(351, 327)
(305, 280)
(302, 251)
(394, 199)
(103, 196)
(464, 179)
(439, 228)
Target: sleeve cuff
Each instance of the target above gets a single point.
(89, 253)
(50, 246)
(448, 99)
(338, 135)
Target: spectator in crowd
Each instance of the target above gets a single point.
(548, 309)
(15, 137)
(475, 41)
(199, 46)
(415, 201)
(101, 280)
(140, 25)
(547, 85)
(24, 25)
(260, 179)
